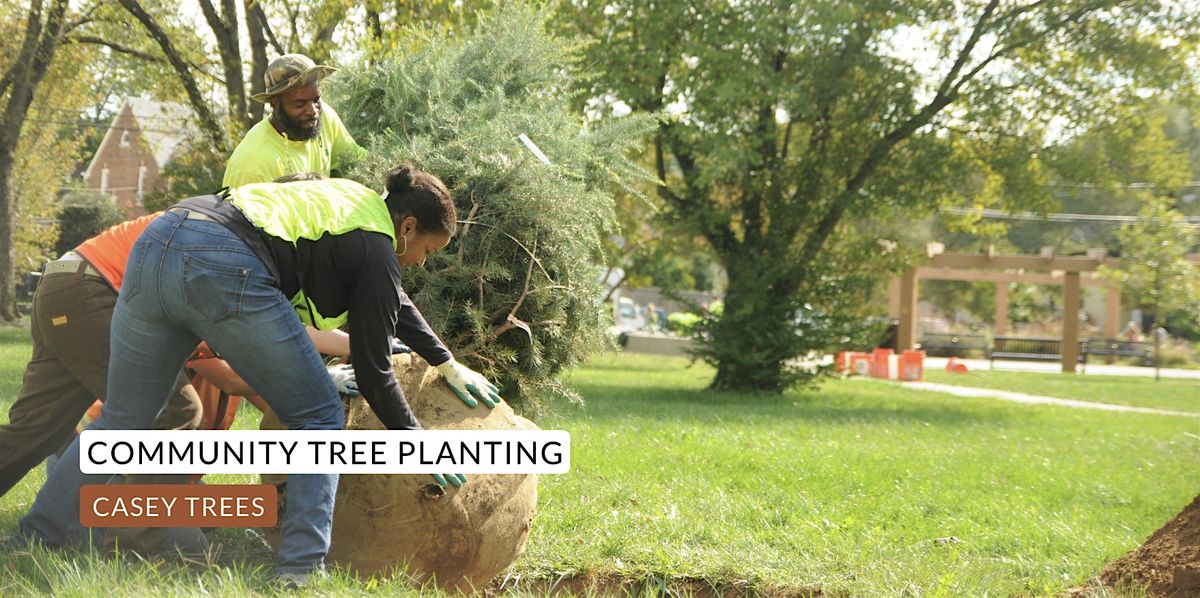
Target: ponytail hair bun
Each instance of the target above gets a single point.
(417, 193)
(400, 179)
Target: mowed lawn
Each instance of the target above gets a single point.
(854, 488)
(1176, 394)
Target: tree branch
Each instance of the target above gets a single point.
(225, 29)
(512, 313)
(965, 53)
(947, 91)
(255, 26)
(266, 25)
(208, 121)
(322, 38)
(467, 225)
(122, 49)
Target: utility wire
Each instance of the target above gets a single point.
(1056, 217)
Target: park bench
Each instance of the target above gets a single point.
(1029, 349)
(1119, 348)
(953, 345)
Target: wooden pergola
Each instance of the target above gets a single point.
(1070, 272)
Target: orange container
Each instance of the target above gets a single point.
(841, 363)
(954, 366)
(881, 363)
(860, 364)
(912, 366)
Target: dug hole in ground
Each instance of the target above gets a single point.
(458, 539)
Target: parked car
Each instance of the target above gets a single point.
(628, 316)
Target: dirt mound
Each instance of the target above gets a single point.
(460, 538)
(1167, 564)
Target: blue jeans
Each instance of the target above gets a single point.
(188, 280)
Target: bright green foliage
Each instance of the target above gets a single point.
(1155, 273)
(515, 295)
(193, 170)
(800, 138)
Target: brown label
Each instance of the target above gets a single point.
(178, 505)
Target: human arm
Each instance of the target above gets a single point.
(344, 150)
(374, 307)
(330, 342)
(209, 366)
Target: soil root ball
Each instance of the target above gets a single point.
(459, 538)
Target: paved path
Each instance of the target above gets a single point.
(1098, 369)
(1017, 397)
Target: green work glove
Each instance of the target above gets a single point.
(399, 347)
(451, 479)
(469, 384)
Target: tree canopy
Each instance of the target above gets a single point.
(791, 133)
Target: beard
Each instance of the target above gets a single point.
(295, 129)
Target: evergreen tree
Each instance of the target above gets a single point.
(516, 293)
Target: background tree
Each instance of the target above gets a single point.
(28, 153)
(785, 121)
(84, 214)
(1155, 273)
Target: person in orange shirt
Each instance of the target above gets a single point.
(72, 312)
(70, 323)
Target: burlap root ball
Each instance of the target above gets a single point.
(459, 538)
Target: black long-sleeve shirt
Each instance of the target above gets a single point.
(355, 272)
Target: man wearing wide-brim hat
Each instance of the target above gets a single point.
(302, 134)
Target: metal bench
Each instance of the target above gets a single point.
(1119, 348)
(952, 345)
(1029, 349)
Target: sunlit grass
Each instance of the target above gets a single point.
(855, 488)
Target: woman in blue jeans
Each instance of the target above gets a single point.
(236, 270)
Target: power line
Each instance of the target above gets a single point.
(1187, 185)
(1056, 217)
(101, 126)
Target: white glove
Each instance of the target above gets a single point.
(466, 382)
(343, 379)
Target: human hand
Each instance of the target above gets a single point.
(469, 384)
(343, 379)
(451, 479)
(399, 347)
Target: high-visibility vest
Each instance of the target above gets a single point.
(311, 210)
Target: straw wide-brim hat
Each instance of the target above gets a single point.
(289, 72)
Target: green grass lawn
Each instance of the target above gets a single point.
(1169, 393)
(856, 488)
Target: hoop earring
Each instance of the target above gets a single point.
(405, 250)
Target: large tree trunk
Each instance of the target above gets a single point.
(23, 78)
(224, 26)
(8, 291)
(257, 26)
(755, 337)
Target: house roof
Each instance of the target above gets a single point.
(163, 126)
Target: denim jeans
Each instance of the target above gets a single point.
(189, 280)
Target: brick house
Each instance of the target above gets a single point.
(141, 140)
